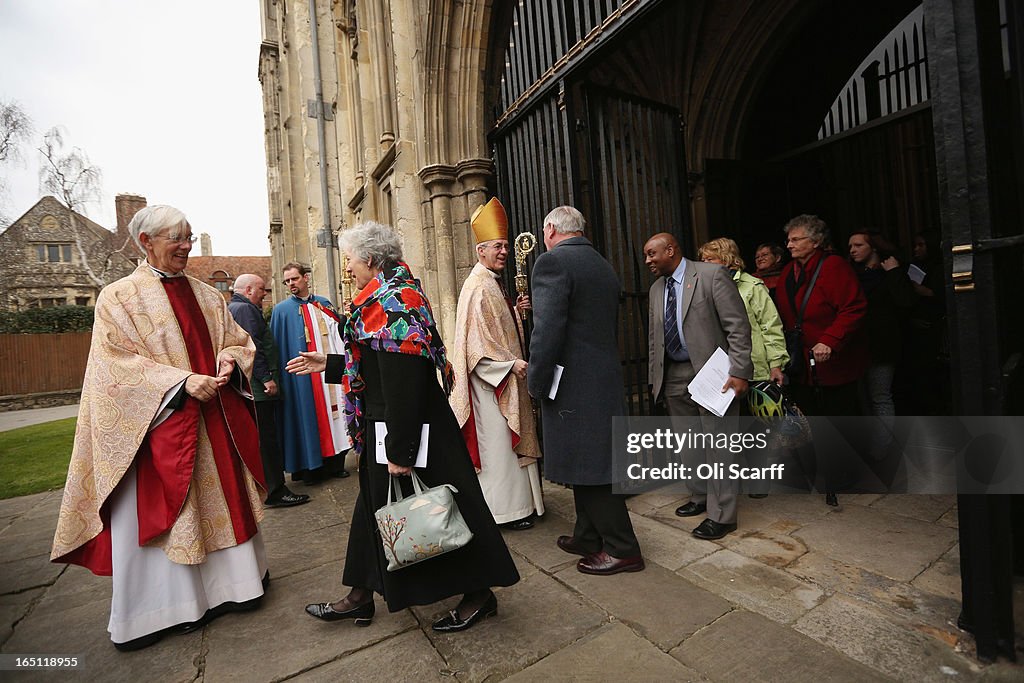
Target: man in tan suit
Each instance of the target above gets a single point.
(694, 309)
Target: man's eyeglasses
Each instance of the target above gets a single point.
(797, 239)
(191, 239)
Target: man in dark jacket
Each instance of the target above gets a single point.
(575, 306)
(244, 306)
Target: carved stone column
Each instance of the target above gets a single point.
(439, 180)
(473, 175)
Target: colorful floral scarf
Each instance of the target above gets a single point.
(390, 314)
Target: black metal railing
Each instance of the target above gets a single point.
(894, 77)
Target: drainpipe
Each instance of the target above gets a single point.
(316, 109)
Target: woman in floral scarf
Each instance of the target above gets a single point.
(390, 373)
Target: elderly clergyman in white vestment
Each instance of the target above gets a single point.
(490, 399)
(165, 486)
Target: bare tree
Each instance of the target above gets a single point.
(74, 180)
(15, 129)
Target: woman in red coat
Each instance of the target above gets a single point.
(831, 325)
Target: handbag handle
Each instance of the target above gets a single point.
(418, 487)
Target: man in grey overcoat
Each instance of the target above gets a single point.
(694, 309)
(575, 309)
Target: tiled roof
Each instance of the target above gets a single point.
(213, 269)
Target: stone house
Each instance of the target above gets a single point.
(53, 256)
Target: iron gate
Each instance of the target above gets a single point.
(621, 163)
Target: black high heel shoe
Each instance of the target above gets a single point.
(453, 622)
(362, 615)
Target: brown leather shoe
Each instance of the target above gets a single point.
(569, 545)
(603, 564)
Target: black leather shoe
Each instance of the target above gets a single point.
(344, 474)
(519, 524)
(569, 545)
(757, 496)
(287, 500)
(362, 615)
(141, 642)
(453, 622)
(831, 500)
(603, 564)
(710, 530)
(190, 626)
(691, 509)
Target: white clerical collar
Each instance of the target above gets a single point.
(161, 274)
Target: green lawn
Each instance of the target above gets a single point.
(34, 459)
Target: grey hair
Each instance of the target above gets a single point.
(379, 245)
(815, 227)
(566, 220)
(153, 219)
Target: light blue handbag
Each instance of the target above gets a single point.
(424, 525)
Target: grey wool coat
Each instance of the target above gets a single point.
(575, 314)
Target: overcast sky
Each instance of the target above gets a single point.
(163, 96)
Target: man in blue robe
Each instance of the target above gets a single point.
(310, 418)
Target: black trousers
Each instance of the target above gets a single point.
(602, 521)
(270, 449)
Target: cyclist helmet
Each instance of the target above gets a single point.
(766, 401)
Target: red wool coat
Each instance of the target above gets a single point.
(834, 316)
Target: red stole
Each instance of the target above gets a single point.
(166, 458)
(323, 424)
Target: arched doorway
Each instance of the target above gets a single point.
(703, 118)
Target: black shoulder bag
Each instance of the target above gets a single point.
(797, 367)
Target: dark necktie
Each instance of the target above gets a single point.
(673, 344)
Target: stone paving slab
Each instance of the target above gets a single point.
(82, 632)
(20, 541)
(538, 543)
(916, 606)
(524, 566)
(950, 519)
(651, 502)
(660, 605)
(30, 572)
(237, 642)
(666, 546)
(612, 653)
(294, 554)
(408, 656)
(14, 507)
(927, 508)
(559, 500)
(943, 577)
(15, 419)
(771, 545)
(796, 509)
(48, 506)
(321, 512)
(536, 617)
(755, 586)
(878, 640)
(891, 545)
(74, 587)
(743, 646)
(13, 609)
(861, 499)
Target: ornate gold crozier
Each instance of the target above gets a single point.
(525, 243)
